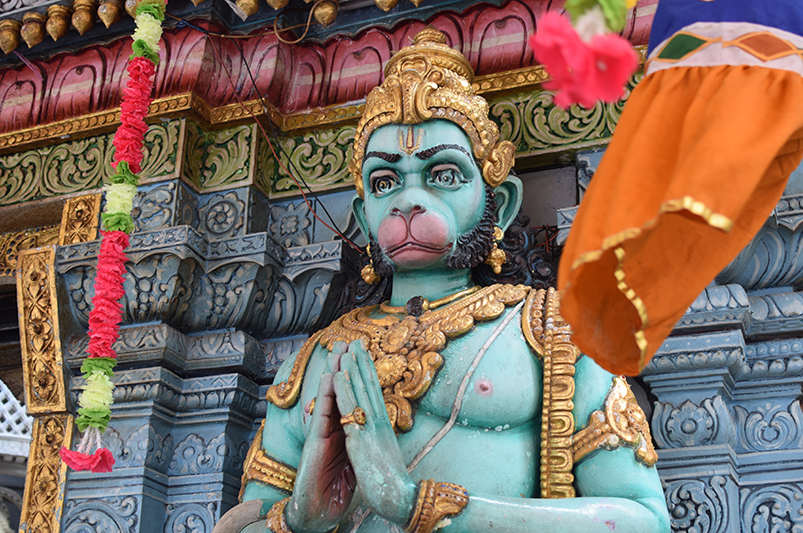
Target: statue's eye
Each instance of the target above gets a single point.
(447, 176)
(383, 181)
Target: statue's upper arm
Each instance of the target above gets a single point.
(622, 450)
(282, 437)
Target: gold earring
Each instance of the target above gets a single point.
(496, 258)
(368, 273)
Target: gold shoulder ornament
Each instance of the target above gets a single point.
(621, 422)
(405, 349)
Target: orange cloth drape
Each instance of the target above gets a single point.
(698, 161)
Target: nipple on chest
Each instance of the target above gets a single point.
(484, 387)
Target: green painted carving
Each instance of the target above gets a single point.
(80, 165)
(320, 157)
(535, 125)
(161, 150)
(218, 159)
(266, 166)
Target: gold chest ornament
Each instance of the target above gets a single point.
(405, 350)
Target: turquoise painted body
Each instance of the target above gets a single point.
(494, 449)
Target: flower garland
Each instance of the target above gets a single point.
(586, 58)
(104, 320)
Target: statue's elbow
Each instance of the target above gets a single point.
(656, 507)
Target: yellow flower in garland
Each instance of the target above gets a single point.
(98, 392)
(120, 197)
(149, 30)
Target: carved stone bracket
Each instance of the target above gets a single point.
(11, 244)
(177, 277)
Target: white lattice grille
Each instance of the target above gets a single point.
(15, 424)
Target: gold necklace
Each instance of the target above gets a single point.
(405, 349)
(385, 307)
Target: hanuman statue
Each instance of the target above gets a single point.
(450, 406)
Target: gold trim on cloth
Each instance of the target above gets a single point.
(620, 423)
(550, 337)
(685, 203)
(405, 349)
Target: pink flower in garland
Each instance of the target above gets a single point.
(99, 462)
(582, 72)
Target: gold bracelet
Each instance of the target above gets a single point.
(436, 501)
(275, 521)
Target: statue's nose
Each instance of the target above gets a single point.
(407, 209)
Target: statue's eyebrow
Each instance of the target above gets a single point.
(390, 158)
(429, 152)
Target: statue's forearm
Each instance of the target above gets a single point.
(573, 515)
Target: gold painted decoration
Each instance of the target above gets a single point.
(435, 501)
(33, 28)
(110, 12)
(248, 7)
(39, 332)
(550, 337)
(405, 349)
(256, 446)
(83, 16)
(11, 244)
(260, 467)
(9, 35)
(429, 80)
(386, 5)
(43, 500)
(58, 21)
(284, 395)
(79, 219)
(275, 520)
(325, 12)
(620, 423)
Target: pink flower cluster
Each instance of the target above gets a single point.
(136, 99)
(104, 319)
(582, 72)
(99, 462)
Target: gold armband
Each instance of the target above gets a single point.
(621, 423)
(260, 467)
(275, 521)
(435, 502)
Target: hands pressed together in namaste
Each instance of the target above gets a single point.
(351, 447)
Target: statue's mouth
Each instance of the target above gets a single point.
(415, 246)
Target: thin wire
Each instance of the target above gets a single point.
(278, 159)
(281, 148)
(309, 21)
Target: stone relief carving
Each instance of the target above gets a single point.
(697, 506)
(777, 507)
(291, 224)
(193, 517)
(770, 426)
(102, 515)
(691, 424)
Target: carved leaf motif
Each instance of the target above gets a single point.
(698, 505)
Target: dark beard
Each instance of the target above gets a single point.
(471, 249)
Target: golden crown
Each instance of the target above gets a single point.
(429, 80)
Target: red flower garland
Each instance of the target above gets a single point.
(136, 100)
(104, 320)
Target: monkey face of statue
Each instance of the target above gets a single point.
(423, 190)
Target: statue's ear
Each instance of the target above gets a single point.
(508, 200)
(358, 208)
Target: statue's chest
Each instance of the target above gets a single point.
(503, 392)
